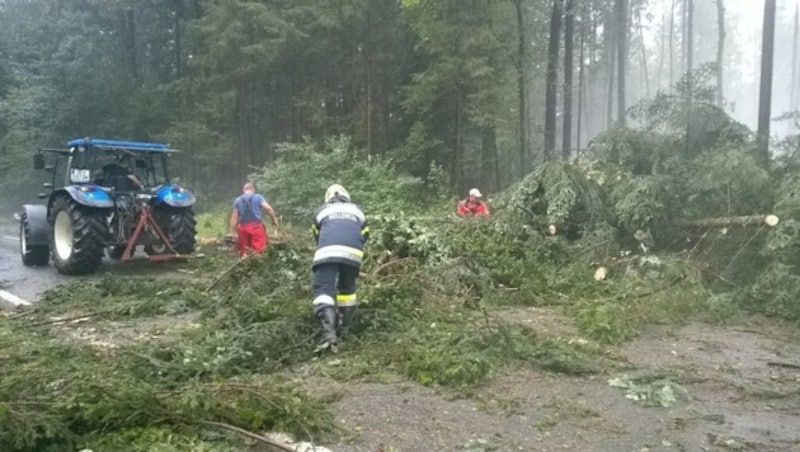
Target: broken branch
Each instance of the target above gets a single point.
(248, 434)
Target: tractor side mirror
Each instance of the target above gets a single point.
(38, 161)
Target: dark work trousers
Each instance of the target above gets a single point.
(334, 285)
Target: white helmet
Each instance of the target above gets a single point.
(336, 190)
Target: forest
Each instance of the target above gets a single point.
(486, 90)
(635, 287)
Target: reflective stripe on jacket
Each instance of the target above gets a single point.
(341, 232)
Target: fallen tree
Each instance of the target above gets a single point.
(746, 220)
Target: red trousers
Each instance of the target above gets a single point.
(252, 235)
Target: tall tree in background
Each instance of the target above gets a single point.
(765, 94)
(610, 37)
(793, 88)
(621, 14)
(581, 76)
(661, 52)
(721, 50)
(689, 49)
(684, 24)
(522, 102)
(672, 43)
(643, 51)
(569, 39)
(552, 79)
(689, 36)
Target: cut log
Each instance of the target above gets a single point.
(747, 220)
(551, 230)
(600, 274)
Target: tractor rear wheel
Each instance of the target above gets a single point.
(77, 236)
(178, 224)
(31, 254)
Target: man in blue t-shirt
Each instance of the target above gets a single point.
(246, 220)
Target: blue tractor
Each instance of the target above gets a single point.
(106, 196)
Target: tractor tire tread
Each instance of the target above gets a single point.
(179, 224)
(90, 231)
(35, 255)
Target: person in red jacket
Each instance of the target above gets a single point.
(473, 206)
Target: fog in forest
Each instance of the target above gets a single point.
(743, 26)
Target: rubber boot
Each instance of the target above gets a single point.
(328, 319)
(346, 314)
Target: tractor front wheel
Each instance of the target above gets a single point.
(31, 254)
(77, 237)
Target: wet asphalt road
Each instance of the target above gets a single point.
(16, 280)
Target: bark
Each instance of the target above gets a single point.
(368, 61)
(569, 38)
(643, 54)
(178, 50)
(684, 22)
(552, 80)
(689, 36)
(458, 151)
(672, 44)
(581, 91)
(522, 89)
(611, 49)
(793, 98)
(689, 49)
(765, 101)
(622, 41)
(128, 23)
(660, 71)
(489, 163)
(721, 51)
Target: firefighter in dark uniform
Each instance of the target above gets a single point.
(340, 229)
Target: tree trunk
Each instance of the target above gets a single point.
(672, 44)
(644, 54)
(240, 114)
(489, 158)
(721, 51)
(689, 36)
(684, 23)
(569, 38)
(765, 100)
(581, 70)
(458, 150)
(368, 57)
(178, 50)
(611, 49)
(129, 43)
(523, 91)
(689, 49)
(552, 81)
(747, 220)
(793, 97)
(622, 41)
(663, 45)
